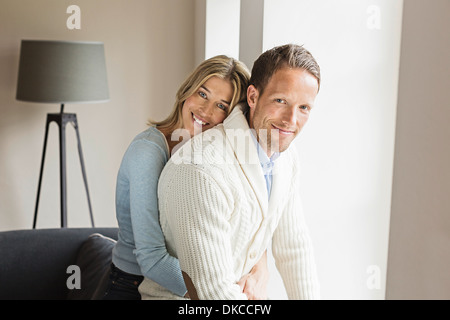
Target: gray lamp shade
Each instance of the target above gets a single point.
(62, 72)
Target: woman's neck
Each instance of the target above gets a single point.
(168, 135)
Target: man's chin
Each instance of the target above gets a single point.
(283, 148)
(278, 149)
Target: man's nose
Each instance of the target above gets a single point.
(290, 116)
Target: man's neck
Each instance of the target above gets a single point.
(262, 146)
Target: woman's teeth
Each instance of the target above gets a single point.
(198, 120)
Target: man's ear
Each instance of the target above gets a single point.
(252, 96)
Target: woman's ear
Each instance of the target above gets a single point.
(252, 96)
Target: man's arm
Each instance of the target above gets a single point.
(197, 212)
(293, 251)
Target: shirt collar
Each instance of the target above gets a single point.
(266, 162)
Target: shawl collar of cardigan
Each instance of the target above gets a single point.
(238, 133)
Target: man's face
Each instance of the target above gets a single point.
(281, 111)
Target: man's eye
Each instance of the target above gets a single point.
(279, 100)
(304, 108)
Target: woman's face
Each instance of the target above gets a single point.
(208, 106)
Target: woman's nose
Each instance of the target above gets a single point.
(207, 109)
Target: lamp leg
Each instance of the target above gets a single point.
(83, 170)
(41, 173)
(62, 172)
(62, 119)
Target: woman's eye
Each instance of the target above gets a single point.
(202, 94)
(223, 107)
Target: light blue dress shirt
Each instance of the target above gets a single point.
(266, 163)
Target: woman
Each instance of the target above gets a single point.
(204, 100)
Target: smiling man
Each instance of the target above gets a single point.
(282, 108)
(220, 214)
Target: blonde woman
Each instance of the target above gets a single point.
(204, 100)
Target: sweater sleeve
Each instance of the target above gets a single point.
(293, 251)
(145, 163)
(197, 213)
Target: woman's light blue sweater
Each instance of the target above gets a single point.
(141, 247)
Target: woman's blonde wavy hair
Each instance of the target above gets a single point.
(220, 66)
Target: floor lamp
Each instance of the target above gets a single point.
(62, 72)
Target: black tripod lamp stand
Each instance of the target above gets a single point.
(62, 72)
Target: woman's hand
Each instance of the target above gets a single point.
(254, 284)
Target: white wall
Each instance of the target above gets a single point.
(149, 48)
(217, 28)
(347, 146)
(419, 246)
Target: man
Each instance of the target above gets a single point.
(222, 204)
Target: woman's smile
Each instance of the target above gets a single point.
(199, 120)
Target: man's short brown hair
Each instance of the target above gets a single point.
(289, 55)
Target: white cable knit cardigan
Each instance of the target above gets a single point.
(217, 220)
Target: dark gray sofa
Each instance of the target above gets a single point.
(34, 263)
